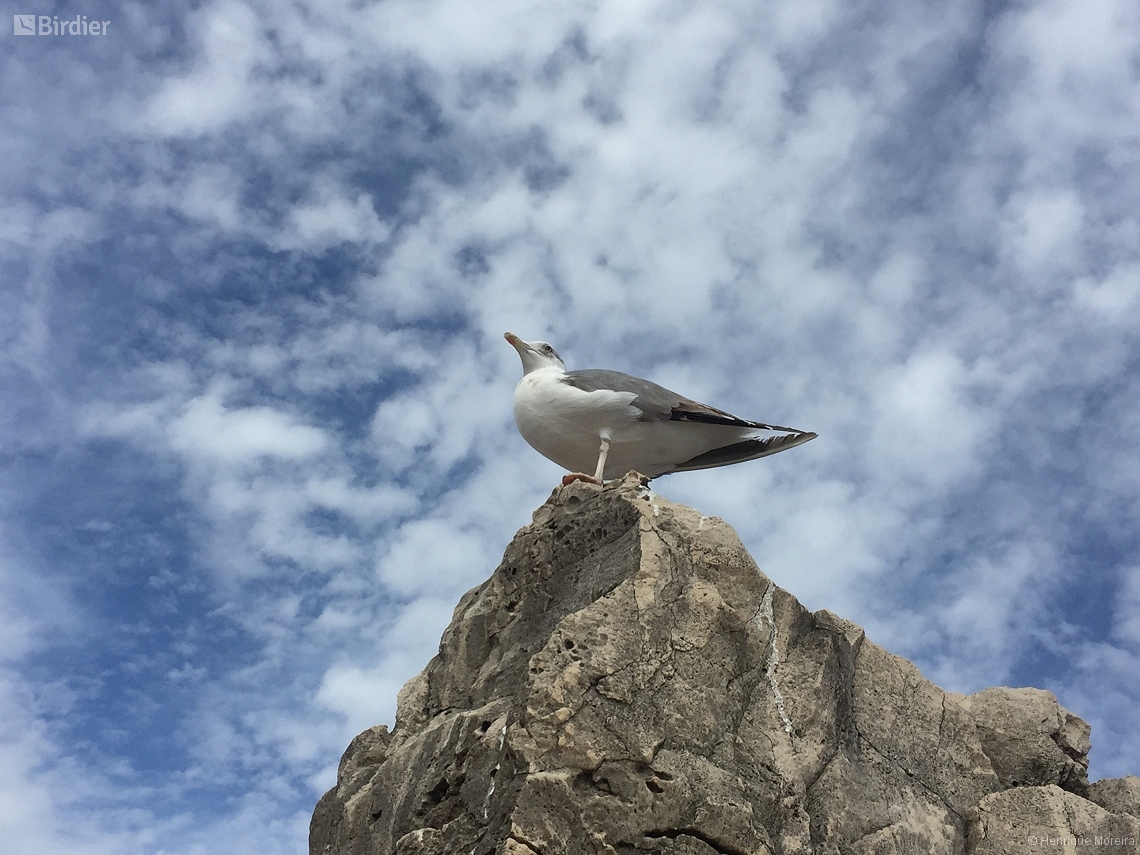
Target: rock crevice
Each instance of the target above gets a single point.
(628, 681)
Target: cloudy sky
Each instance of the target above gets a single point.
(255, 424)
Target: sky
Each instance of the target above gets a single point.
(256, 437)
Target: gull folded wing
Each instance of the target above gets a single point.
(748, 449)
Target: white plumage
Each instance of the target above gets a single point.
(609, 423)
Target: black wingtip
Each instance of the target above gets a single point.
(748, 449)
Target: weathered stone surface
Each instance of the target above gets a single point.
(1049, 820)
(627, 681)
(337, 824)
(1030, 739)
(1117, 795)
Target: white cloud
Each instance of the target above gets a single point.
(223, 86)
(1113, 300)
(47, 798)
(211, 193)
(431, 554)
(1126, 608)
(208, 430)
(330, 220)
(365, 696)
(1078, 43)
(1047, 225)
(924, 428)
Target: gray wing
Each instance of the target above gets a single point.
(655, 402)
(658, 404)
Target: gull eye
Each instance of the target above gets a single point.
(548, 349)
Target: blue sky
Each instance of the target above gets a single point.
(255, 425)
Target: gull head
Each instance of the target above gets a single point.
(535, 354)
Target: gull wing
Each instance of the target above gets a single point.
(748, 449)
(658, 404)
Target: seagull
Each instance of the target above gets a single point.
(622, 422)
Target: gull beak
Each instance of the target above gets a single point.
(516, 342)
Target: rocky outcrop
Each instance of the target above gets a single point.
(1030, 739)
(628, 681)
(1047, 819)
(1118, 795)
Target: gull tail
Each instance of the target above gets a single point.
(748, 449)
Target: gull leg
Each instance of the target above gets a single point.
(603, 452)
(567, 480)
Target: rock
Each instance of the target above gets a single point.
(1047, 819)
(627, 680)
(337, 825)
(1117, 795)
(1030, 739)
